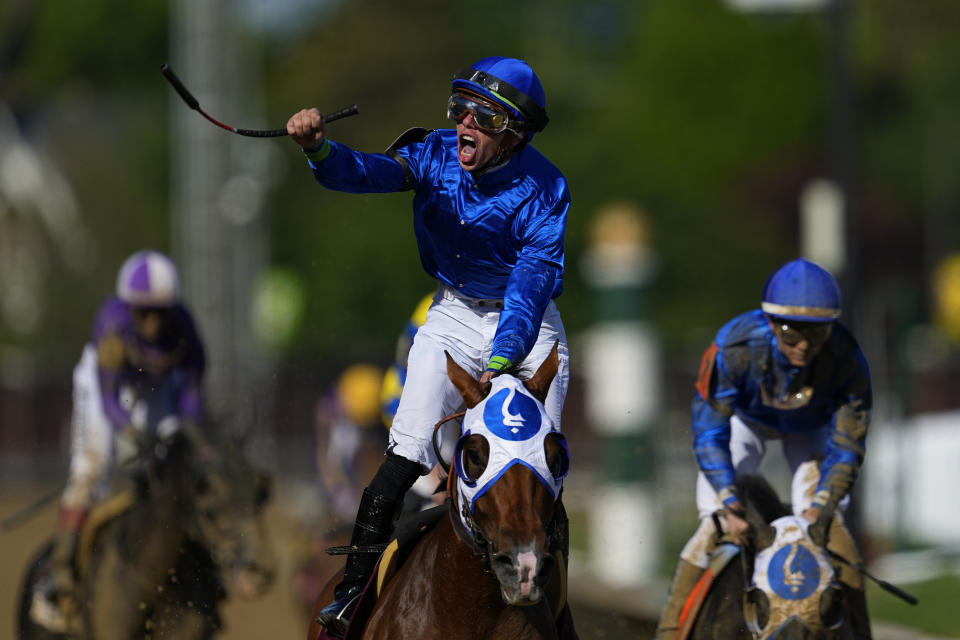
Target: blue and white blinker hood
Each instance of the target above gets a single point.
(793, 573)
(515, 425)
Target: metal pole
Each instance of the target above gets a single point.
(218, 234)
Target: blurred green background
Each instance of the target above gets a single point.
(710, 120)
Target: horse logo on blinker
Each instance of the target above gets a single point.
(794, 573)
(511, 415)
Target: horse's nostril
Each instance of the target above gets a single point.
(503, 559)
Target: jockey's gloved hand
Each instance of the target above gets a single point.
(496, 366)
(820, 529)
(127, 442)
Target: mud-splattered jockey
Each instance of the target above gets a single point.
(790, 372)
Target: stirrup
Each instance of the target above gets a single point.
(335, 617)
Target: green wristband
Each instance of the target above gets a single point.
(320, 154)
(498, 363)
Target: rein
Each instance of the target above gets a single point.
(436, 447)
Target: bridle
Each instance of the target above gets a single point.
(466, 528)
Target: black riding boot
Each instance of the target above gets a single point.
(379, 506)
(373, 526)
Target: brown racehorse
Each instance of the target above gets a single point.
(458, 586)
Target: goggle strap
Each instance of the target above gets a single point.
(537, 116)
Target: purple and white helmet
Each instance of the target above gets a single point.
(148, 279)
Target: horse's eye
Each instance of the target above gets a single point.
(831, 608)
(756, 610)
(471, 456)
(476, 463)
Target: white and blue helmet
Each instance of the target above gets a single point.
(149, 279)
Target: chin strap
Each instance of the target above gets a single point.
(503, 157)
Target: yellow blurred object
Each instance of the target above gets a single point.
(419, 315)
(390, 393)
(946, 293)
(358, 390)
(620, 223)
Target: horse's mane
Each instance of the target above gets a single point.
(756, 493)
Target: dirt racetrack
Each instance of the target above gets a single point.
(272, 616)
(276, 615)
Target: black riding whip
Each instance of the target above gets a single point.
(252, 133)
(883, 584)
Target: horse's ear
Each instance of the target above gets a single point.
(470, 390)
(764, 534)
(539, 384)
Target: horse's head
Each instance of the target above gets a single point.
(510, 462)
(230, 496)
(793, 592)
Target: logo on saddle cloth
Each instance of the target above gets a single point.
(515, 426)
(793, 567)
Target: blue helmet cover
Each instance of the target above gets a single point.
(803, 291)
(518, 75)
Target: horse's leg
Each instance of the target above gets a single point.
(27, 628)
(113, 611)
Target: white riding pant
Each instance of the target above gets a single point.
(91, 436)
(748, 445)
(465, 328)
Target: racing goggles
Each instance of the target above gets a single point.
(815, 333)
(141, 313)
(488, 119)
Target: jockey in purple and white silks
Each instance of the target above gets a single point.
(489, 214)
(141, 369)
(789, 372)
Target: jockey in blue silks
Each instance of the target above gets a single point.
(790, 372)
(489, 214)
